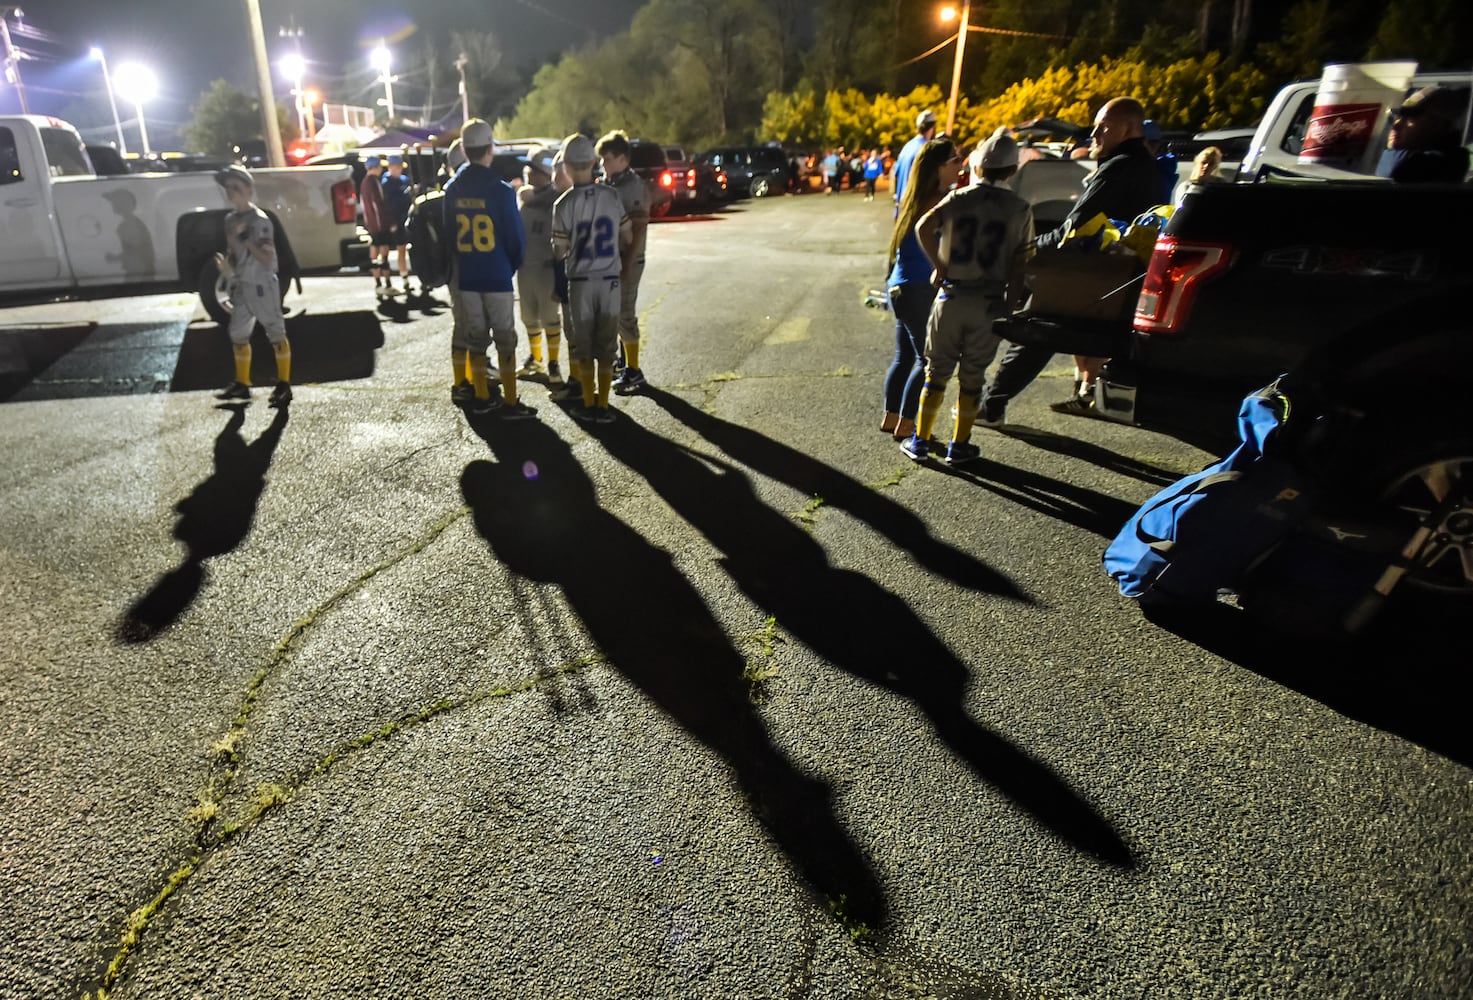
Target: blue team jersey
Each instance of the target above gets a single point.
(484, 230)
(397, 197)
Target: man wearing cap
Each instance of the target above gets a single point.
(371, 200)
(1123, 185)
(977, 240)
(397, 199)
(536, 284)
(925, 132)
(1425, 143)
(483, 231)
(249, 263)
(1165, 161)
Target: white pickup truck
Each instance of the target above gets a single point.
(66, 232)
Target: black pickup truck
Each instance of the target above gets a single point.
(1360, 292)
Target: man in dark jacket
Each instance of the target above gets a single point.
(1425, 144)
(1124, 185)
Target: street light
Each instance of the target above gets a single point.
(294, 67)
(137, 83)
(97, 54)
(949, 14)
(381, 60)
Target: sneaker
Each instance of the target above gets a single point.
(554, 373)
(517, 411)
(481, 407)
(962, 451)
(915, 448)
(629, 380)
(1077, 406)
(463, 394)
(381, 293)
(983, 420)
(584, 414)
(570, 392)
(281, 395)
(530, 367)
(235, 390)
(603, 415)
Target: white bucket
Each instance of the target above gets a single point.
(1349, 112)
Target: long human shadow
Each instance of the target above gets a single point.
(213, 519)
(330, 347)
(536, 507)
(808, 475)
(1080, 506)
(1110, 461)
(852, 622)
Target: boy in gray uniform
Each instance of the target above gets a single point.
(249, 264)
(977, 240)
(614, 150)
(591, 232)
(536, 280)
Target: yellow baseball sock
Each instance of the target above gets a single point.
(554, 345)
(605, 382)
(590, 372)
(631, 353)
(966, 413)
(283, 349)
(460, 365)
(575, 368)
(932, 396)
(243, 363)
(535, 341)
(478, 376)
(506, 368)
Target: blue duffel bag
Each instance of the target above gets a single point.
(1200, 534)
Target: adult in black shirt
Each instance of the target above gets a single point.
(1425, 142)
(1123, 186)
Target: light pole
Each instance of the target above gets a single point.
(465, 100)
(381, 60)
(294, 67)
(137, 84)
(947, 14)
(12, 57)
(97, 54)
(270, 127)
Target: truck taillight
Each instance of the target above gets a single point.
(667, 180)
(344, 202)
(690, 177)
(1176, 273)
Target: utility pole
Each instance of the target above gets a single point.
(12, 57)
(465, 100)
(956, 70)
(271, 129)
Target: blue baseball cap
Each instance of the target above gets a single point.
(1150, 131)
(395, 159)
(371, 162)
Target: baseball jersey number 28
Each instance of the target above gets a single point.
(966, 246)
(602, 231)
(474, 233)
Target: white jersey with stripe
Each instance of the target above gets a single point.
(588, 220)
(985, 229)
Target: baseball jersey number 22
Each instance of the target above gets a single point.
(474, 233)
(602, 231)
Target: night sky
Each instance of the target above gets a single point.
(188, 43)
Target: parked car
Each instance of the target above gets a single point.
(750, 170)
(647, 159)
(696, 185)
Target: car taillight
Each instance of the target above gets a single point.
(721, 177)
(666, 179)
(1173, 278)
(690, 177)
(344, 202)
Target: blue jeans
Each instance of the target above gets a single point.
(911, 303)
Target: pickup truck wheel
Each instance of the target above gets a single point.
(214, 292)
(760, 187)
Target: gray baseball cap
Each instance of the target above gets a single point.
(541, 159)
(578, 150)
(1000, 150)
(455, 155)
(234, 172)
(477, 132)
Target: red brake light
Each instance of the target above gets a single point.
(666, 180)
(344, 202)
(1175, 274)
(690, 177)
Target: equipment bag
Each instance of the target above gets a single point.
(1200, 534)
(428, 255)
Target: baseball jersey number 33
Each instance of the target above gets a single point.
(474, 233)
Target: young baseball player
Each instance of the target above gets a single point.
(249, 263)
(536, 280)
(398, 196)
(375, 220)
(483, 233)
(977, 240)
(613, 150)
(463, 391)
(591, 232)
